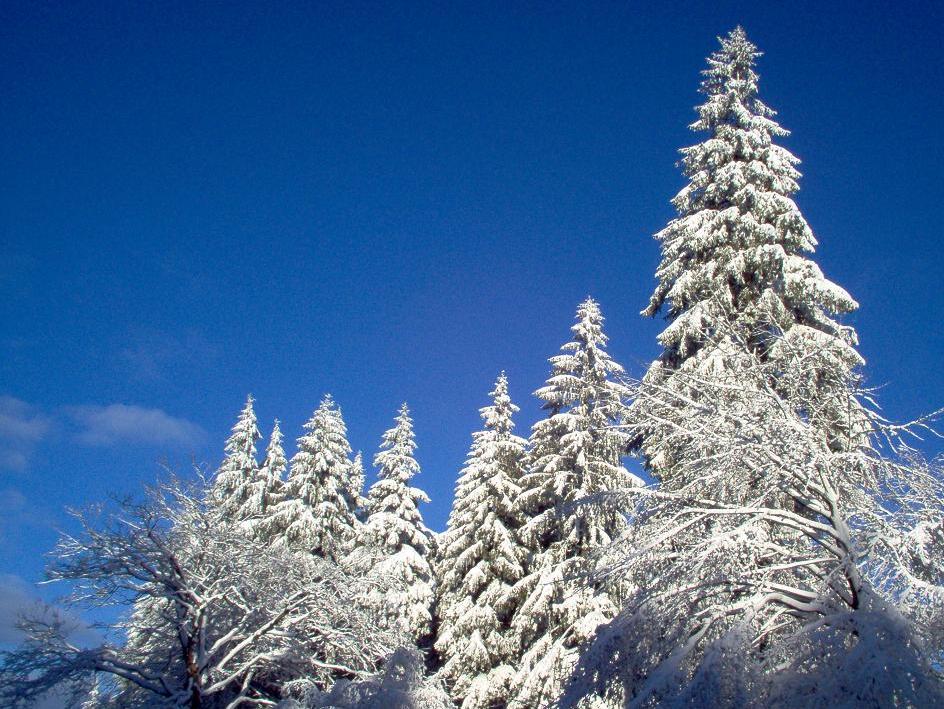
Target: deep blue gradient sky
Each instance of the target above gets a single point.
(394, 203)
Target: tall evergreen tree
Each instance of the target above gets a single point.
(481, 559)
(317, 512)
(574, 455)
(734, 261)
(232, 485)
(754, 563)
(395, 530)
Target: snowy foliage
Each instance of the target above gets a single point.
(735, 257)
(356, 480)
(574, 457)
(227, 619)
(317, 512)
(233, 485)
(401, 685)
(481, 559)
(775, 567)
(394, 531)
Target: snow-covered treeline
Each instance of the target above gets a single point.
(784, 549)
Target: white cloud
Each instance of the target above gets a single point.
(118, 423)
(22, 426)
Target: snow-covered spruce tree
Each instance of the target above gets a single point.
(768, 558)
(233, 482)
(316, 513)
(735, 259)
(770, 569)
(395, 535)
(266, 491)
(480, 561)
(574, 455)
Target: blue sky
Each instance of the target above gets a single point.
(394, 203)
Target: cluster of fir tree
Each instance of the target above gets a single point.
(507, 581)
(515, 602)
(319, 507)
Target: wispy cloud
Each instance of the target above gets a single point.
(19, 598)
(20, 517)
(16, 599)
(22, 426)
(124, 423)
(156, 355)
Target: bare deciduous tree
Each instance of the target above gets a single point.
(221, 619)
